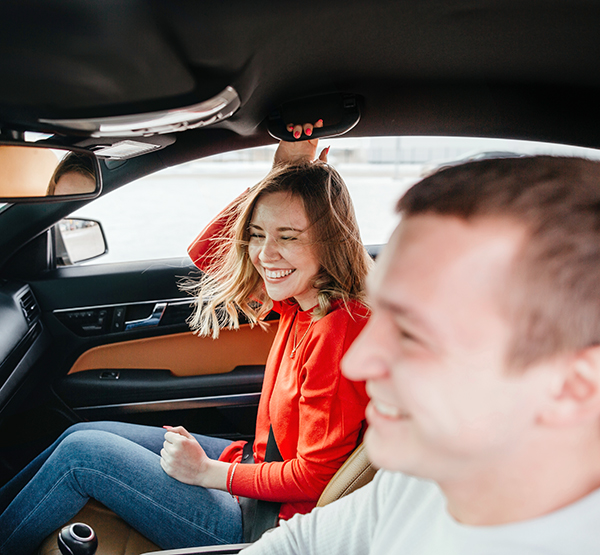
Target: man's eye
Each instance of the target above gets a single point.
(405, 335)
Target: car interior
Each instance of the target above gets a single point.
(134, 88)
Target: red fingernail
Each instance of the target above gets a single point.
(327, 150)
(319, 122)
(309, 131)
(296, 134)
(290, 127)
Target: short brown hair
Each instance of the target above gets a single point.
(82, 164)
(233, 283)
(553, 297)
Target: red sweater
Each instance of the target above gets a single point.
(317, 414)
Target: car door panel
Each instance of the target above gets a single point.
(96, 389)
(183, 354)
(111, 284)
(149, 373)
(101, 394)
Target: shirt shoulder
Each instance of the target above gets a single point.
(345, 320)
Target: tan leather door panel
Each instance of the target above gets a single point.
(183, 354)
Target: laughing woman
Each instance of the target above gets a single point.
(289, 244)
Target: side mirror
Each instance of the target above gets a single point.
(77, 240)
(30, 172)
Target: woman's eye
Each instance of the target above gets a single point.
(256, 236)
(286, 238)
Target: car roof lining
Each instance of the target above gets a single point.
(520, 69)
(119, 56)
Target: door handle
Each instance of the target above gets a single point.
(152, 321)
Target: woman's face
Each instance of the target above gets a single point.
(282, 250)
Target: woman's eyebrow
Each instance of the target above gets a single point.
(279, 228)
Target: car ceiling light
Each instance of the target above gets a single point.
(124, 149)
(206, 113)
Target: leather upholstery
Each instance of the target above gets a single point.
(116, 537)
(183, 354)
(354, 473)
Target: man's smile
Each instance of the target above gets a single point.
(389, 411)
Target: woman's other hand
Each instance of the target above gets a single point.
(295, 151)
(183, 458)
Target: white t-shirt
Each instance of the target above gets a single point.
(404, 515)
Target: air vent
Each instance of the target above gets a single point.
(29, 306)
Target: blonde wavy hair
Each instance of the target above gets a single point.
(232, 286)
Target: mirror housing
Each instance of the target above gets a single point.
(78, 240)
(42, 172)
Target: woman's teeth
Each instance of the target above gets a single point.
(278, 273)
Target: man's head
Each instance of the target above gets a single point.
(552, 296)
(486, 317)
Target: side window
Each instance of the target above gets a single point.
(159, 215)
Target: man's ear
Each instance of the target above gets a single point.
(576, 395)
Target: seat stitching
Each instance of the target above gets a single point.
(355, 479)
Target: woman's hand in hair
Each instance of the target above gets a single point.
(183, 458)
(289, 152)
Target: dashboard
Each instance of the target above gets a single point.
(22, 337)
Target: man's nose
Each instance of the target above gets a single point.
(367, 357)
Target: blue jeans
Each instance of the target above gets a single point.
(118, 465)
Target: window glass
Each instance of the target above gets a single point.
(159, 215)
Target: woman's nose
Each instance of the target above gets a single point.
(269, 250)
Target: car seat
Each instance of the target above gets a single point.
(116, 537)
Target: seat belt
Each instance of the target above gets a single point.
(258, 516)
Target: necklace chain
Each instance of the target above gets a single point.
(295, 345)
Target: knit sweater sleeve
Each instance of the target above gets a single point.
(204, 249)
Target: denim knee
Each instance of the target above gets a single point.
(80, 426)
(82, 447)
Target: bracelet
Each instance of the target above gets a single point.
(230, 486)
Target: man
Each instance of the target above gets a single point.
(482, 361)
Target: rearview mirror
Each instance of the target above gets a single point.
(35, 173)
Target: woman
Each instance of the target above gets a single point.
(292, 244)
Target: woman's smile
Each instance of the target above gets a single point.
(278, 274)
